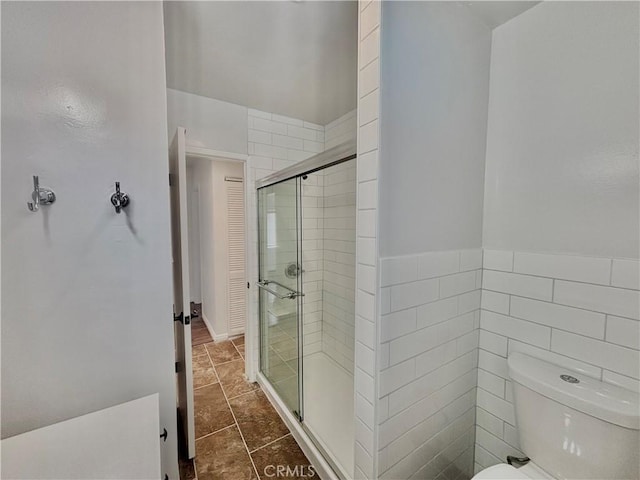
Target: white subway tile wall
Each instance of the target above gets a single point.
(579, 312)
(367, 353)
(340, 130)
(339, 263)
(313, 261)
(276, 142)
(427, 384)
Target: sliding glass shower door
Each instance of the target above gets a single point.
(280, 287)
(307, 251)
(328, 198)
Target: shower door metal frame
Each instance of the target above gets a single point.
(300, 300)
(334, 156)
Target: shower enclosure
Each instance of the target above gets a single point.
(307, 238)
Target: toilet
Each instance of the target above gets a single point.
(570, 426)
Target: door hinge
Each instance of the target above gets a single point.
(171, 177)
(248, 285)
(177, 367)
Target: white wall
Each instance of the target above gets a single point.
(210, 123)
(193, 202)
(87, 303)
(562, 149)
(203, 182)
(435, 85)
(434, 68)
(561, 177)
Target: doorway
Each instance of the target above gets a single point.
(216, 234)
(229, 427)
(207, 217)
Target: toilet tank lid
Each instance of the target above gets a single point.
(607, 402)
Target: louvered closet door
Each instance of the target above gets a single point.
(236, 282)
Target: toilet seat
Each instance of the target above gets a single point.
(502, 471)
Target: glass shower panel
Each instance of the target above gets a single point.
(280, 284)
(307, 233)
(328, 258)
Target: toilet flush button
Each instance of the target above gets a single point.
(569, 378)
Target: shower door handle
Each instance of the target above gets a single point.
(291, 294)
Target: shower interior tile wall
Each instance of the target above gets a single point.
(429, 348)
(328, 211)
(276, 142)
(312, 261)
(579, 312)
(340, 130)
(339, 263)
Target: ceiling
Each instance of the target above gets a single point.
(494, 14)
(293, 58)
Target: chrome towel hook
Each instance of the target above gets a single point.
(40, 195)
(119, 199)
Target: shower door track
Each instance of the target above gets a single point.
(334, 156)
(321, 459)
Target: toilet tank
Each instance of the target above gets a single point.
(573, 426)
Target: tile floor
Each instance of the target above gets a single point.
(282, 362)
(238, 433)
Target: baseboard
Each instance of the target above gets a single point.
(214, 335)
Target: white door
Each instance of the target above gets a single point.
(236, 282)
(181, 297)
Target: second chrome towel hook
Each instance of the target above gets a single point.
(40, 195)
(119, 199)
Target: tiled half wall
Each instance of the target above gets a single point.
(450, 319)
(429, 332)
(578, 312)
